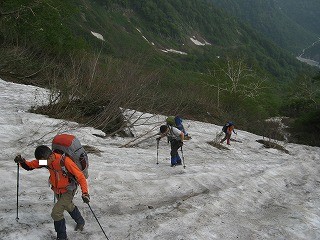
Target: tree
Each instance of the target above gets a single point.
(235, 77)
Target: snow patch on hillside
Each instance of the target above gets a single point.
(245, 192)
(173, 51)
(97, 35)
(199, 43)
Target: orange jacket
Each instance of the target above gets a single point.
(58, 180)
(230, 129)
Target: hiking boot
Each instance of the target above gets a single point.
(76, 215)
(79, 227)
(173, 165)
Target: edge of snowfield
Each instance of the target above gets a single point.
(247, 192)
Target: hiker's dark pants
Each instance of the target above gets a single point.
(175, 145)
(226, 137)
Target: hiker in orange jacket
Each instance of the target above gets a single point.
(64, 181)
(228, 128)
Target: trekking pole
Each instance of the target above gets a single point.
(98, 221)
(17, 218)
(184, 166)
(158, 150)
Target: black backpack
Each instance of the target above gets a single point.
(225, 127)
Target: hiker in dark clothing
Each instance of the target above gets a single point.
(228, 128)
(175, 137)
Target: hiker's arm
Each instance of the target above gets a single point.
(161, 136)
(233, 131)
(25, 164)
(30, 165)
(78, 174)
(182, 136)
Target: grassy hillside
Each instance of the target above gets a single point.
(169, 56)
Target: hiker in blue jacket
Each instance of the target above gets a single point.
(175, 137)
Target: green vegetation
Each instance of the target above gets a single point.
(293, 25)
(302, 105)
(42, 25)
(305, 13)
(313, 52)
(240, 75)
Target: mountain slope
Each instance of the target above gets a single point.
(64, 28)
(169, 56)
(305, 13)
(293, 25)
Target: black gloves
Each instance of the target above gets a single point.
(19, 159)
(158, 139)
(86, 197)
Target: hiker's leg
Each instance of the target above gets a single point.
(77, 217)
(71, 208)
(60, 227)
(174, 151)
(178, 160)
(228, 138)
(223, 139)
(178, 157)
(64, 203)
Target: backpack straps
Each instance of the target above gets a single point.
(173, 135)
(65, 172)
(63, 166)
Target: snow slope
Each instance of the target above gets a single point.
(246, 192)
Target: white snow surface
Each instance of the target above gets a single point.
(246, 192)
